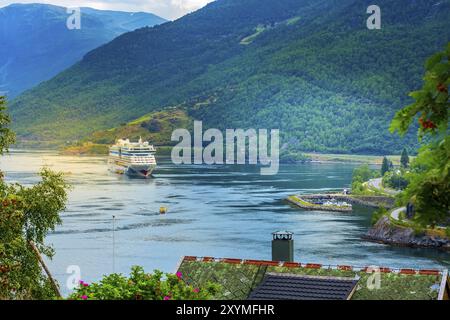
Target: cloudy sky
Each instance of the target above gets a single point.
(169, 9)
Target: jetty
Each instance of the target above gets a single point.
(320, 203)
(309, 201)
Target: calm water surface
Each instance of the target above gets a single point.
(219, 211)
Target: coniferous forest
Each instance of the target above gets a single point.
(311, 69)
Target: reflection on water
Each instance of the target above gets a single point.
(221, 211)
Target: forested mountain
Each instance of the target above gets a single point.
(36, 43)
(308, 67)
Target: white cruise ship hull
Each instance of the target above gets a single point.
(140, 171)
(135, 160)
(132, 170)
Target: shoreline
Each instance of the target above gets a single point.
(384, 231)
(93, 149)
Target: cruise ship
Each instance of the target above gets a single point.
(135, 159)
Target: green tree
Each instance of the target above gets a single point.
(27, 214)
(396, 179)
(7, 137)
(361, 175)
(385, 167)
(404, 159)
(429, 186)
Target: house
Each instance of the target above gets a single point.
(257, 279)
(283, 279)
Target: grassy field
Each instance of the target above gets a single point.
(369, 159)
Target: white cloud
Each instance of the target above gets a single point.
(169, 9)
(189, 4)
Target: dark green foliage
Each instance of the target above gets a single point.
(429, 180)
(396, 179)
(404, 159)
(293, 157)
(361, 175)
(385, 166)
(7, 137)
(323, 79)
(429, 184)
(152, 126)
(378, 214)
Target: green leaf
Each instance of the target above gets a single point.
(431, 62)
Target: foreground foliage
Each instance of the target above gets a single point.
(429, 180)
(27, 214)
(143, 286)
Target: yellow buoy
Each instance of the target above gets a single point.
(163, 210)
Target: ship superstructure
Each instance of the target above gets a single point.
(135, 159)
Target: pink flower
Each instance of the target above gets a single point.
(179, 275)
(81, 282)
(166, 298)
(84, 297)
(85, 285)
(196, 290)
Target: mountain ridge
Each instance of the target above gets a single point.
(37, 45)
(323, 79)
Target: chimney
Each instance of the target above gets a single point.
(282, 246)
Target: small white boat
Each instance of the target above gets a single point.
(135, 159)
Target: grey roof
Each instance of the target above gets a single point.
(295, 287)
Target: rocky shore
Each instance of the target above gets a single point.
(385, 231)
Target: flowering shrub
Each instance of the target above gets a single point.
(143, 286)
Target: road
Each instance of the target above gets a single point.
(396, 212)
(377, 184)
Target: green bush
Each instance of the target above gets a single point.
(418, 230)
(293, 157)
(447, 232)
(378, 214)
(396, 179)
(143, 286)
(361, 175)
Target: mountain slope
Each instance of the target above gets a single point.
(37, 45)
(310, 68)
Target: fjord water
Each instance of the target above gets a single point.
(219, 211)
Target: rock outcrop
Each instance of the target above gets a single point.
(386, 232)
